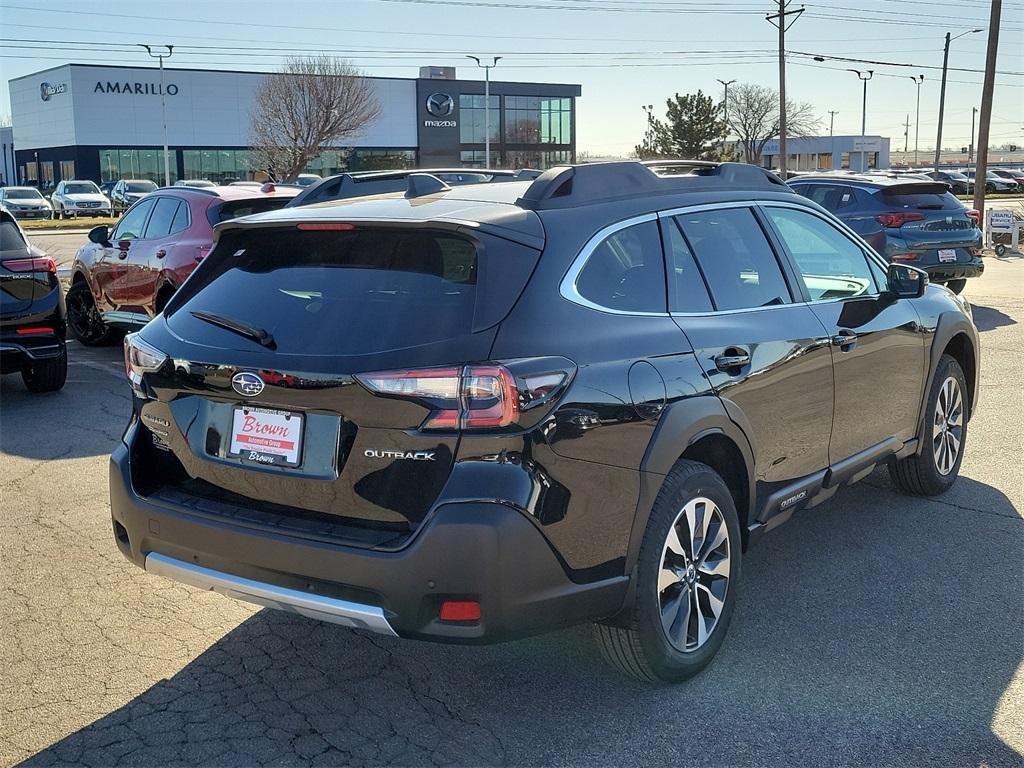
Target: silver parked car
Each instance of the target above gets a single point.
(25, 203)
(78, 198)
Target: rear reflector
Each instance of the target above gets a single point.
(30, 331)
(31, 265)
(327, 226)
(460, 610)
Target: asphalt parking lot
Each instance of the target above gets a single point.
(876, 629)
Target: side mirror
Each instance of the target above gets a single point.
(100, 235)
(906, 282)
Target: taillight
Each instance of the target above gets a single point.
(140, 358)
(31, 265)
(473, 396)
(975, 216)
(903, 257)
(898, 219)
(34, 330)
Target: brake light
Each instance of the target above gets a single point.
(898, 219)
(469, 397)
(335, 226)
(140, 358)
(32, 265)
(975, 216)
(35, 330)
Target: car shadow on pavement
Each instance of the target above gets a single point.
(878, 629)
(987, 318)
(85, 418)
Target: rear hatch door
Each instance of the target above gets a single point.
(261, 401)
(20, 284)
(933, 220)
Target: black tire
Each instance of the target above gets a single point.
(957, 286)
(920, 474)
(84, 319)
(47, 375)
(640, 645)
(1000, 250)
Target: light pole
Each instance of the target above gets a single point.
(163, 104)
(831, 140)
(970, 149)
(864, 77)
(942, 91)
(487, 105)
(725, 98)
(918, 80)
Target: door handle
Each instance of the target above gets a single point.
(844, 339)
(161, 253)
(732, 359)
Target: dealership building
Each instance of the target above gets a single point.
(104, 123)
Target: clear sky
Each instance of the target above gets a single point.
(625, 53)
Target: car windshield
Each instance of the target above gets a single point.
(22, 194)
(957, 176)
(140, 186)
(81, 188)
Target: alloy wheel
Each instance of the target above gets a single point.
(948, 426)
(83, 317)
(694, 575)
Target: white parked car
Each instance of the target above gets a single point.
(25, 203)
(78, 198)
(201, 183)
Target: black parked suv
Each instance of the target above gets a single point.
(477, 413)
(32, 319)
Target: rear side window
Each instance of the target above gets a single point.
(738, 263)
(347, 292)
(626, 271)
(132, 224)
(233, 209)
(831, 197)
(163, 216)
(686, 289)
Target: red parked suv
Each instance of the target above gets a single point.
(122, 279)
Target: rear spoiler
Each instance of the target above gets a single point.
(917, 188)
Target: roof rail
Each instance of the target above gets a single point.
(566, 186)
(421, 184)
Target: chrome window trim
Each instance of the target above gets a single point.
(567, 288)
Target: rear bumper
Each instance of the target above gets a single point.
(482, 551)
(939, 273)
(18, 354)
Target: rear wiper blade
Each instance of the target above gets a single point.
(258, 335)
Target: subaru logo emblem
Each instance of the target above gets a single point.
(440, 104)
(247, 384)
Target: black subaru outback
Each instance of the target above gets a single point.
(477, 413)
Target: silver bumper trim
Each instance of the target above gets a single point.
(318, 607)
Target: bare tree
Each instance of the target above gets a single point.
(754, 118)
(314, 103)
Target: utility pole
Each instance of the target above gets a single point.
(981, 166)
(163, 103)
(942, 90)
(917, 117)
(864, 77)
(779, 20)
(831, 138)
(487, 105)
(970, 148)
(906, 134)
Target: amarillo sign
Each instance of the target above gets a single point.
(141, 89)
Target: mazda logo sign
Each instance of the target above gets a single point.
(46, 90)
(440, 104)
(247, 384)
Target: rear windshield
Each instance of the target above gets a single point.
(336, 292)
(140, 186)
(85, 188)
(233, 209)
(941, 201)
(10, 239)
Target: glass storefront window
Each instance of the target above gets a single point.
(556, 121)
(46, 171)
(67, 170)
(473, 117)
(383, 159)
(474, 158)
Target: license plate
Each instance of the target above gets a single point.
(265, 436)
(947, 254)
